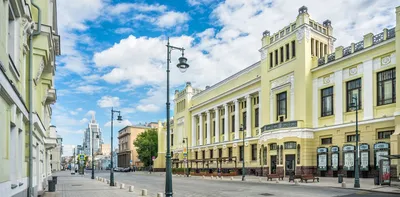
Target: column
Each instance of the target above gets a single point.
(216, 110)
(201, 129)
(248, 116)
(368, 92)
(259, 112)
(338, 100)
(237, 119)
(226, 124)
(194, 130)
(208, 128)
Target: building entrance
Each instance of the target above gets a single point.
(290, 164)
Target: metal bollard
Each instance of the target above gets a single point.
(159, 194)
(131, 188)
(259, 179)
(344, 184)
(204, 177)
(296, 182)
(232, 178)
(277, 180)
(211, 177)
(144, 192)
(115, 183)
(121, 186)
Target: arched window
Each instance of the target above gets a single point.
(265, 156)
(298, 153)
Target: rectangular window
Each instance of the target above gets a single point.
(325, 49)
(353, 91)
(233, 123)
(293, 48)
(230, 153)
(351, 138)
(240, 153)
(254, 152)
(256, 117)
(276, 57)
(223, 125)
(214, 128)
(281, 53)
(326, 141)
(203, 154)
(211, 154)
(290, 145)
(271, 56)
(172, 139)
(327, 102)
(317, 48)
(205, 133)
(287, 51)
(220, 153)
(196, 155)
(385, 134)
(273, 146)
(281, 105)
(312, 46)
(386, 87)
(244, 120)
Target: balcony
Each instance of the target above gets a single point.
(51, 96)
(50, 141)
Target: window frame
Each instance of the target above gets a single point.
(273, 146)
(287, 51)
(381, 137)
(256, 117)
(350, 136)
(382, 83)
(349, 90)
(233, 123)
(287, 147)
(271, 60)
(223, 125)
(241, 150)
(254, 152)
(322, 140)
(293, 48)
(276, 57)
(282, 56)
(278, 104)
(323, 104)
(244, 116)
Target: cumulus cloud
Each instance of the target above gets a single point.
(91, 113)
(108, 101)
(88, 89)
(147, 108)
(122, 8)
(172, 18)
(123, 30)
(116, 123)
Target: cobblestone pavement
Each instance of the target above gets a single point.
(196, 187)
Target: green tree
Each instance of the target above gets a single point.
(146, 144)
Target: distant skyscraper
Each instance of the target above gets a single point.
(92, 137)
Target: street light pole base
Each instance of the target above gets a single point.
(357, 184)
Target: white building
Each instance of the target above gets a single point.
(92, 137)
(55, 155)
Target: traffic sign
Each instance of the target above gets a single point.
(184, 150)
(81, 157)
(185, 154)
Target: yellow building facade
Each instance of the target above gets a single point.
(296, 107)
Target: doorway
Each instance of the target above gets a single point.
(273, 164)
(290, 164)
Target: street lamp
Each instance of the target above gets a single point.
(187, 155)
(182, 65)
(119, 118)
(243, 169)
(357, 174)
(97, 136)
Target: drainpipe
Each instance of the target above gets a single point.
(34, 33)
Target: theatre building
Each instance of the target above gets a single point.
(296, 107)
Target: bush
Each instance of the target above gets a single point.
(178, 170)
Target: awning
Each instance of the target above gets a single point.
(391, 156)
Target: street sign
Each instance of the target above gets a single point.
(184, 154)
(81, 157)
(184, 150)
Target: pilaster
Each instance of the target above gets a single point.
(216, 110)
(237, 118)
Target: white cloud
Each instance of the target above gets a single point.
(123, 30)
(116, 123)
(148, 108)
(73, 113)
(198, 2)
(172, 18)
(79, 109)
(84, 120)
(108, 101)
(90, 113)
(88, 89)
(122, 8)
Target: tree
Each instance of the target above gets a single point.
(146, 144)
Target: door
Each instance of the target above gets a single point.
(273, 164)
(290, 164)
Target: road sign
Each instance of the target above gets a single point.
(184, 150)
(153, 158)
(81, 157)
(185, 154)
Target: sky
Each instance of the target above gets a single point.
(114, 53)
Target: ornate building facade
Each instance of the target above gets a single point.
(296, 107)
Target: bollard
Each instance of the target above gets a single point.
(232, 178)
(277, 181)
(212, 177)
(344, 184)
(296, 182)
(121, 186)
(115, 183)
(216, 177)
(221, 178)
(144, 192)
(131, 188)
(204, 177)
(259, 179)
(159, 194)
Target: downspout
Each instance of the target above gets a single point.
(34, 33)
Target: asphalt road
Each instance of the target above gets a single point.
(195, 187)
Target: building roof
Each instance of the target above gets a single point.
(135, 126)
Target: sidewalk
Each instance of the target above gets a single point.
(82, 186)
(366, 184)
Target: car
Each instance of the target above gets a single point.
(126, 170)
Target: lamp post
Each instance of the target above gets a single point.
(119, 118)
(243, 169)
(357, 174)
(182, 65)
(187, 155)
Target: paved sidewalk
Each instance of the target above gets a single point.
(83, 186)
(366, 184)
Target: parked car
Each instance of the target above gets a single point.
(126, 169)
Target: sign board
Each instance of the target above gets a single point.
(81, 157)
(322, 162)
(379, 156)
(348, 161)
(184, 150)
(335, 161)
(381, 145)
(384, 172)
(279, 125)
(364, 166)
(185, 155)
(322, 150)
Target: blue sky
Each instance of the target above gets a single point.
(114, 54)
